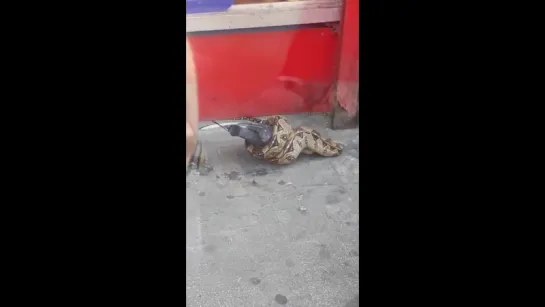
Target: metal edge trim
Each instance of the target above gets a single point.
(266, 15)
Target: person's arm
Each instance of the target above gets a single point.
(192, 104)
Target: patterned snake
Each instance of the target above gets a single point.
(285, 145)
(288, 143)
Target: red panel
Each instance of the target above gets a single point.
(264, 72)
(348, 77)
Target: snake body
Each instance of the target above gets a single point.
(288, 143)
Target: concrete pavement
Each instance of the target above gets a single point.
(268, 235)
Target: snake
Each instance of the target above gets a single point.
(288, 143)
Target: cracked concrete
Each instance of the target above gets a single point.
(268, 235)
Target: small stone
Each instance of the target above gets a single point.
(281, 182)
(234, 175)
(280, 299)
(254, 182)
(261, 172)
(202, 193)
(255, 280)
(205, 170)
(230, 196)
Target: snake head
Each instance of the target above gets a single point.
(271, 120)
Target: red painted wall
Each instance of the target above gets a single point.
(265, 72)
